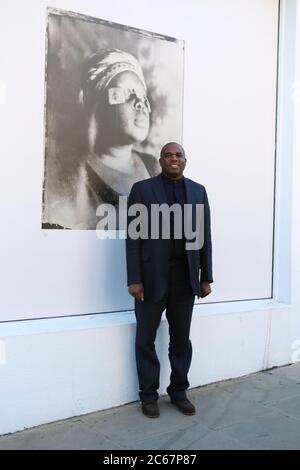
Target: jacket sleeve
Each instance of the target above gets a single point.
(133, 247)
(206, 250)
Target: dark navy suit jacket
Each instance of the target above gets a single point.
(148, 260)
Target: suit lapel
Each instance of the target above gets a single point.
(188, 191)
(160, 195)
(159, 190)
(190, 199)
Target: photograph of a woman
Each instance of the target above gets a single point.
(108, 111)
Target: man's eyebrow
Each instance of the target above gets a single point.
(173, 153)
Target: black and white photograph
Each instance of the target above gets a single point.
(113, 97)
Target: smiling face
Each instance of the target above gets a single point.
(172, 160)
(125, 115)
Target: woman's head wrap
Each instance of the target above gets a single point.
(101, 67)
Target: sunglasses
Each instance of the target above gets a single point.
(119, 95)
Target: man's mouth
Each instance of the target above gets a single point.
(174, 165)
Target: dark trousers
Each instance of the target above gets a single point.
(178, 302)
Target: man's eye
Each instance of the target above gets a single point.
(177, 154)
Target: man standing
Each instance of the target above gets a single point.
(163, 274)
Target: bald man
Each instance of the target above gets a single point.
(162, 273)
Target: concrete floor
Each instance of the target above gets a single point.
(259, 411)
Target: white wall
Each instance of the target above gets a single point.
(54, 368)
(228, 133)
(83, 364)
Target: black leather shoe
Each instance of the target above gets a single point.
(185, 406)
(150, 408)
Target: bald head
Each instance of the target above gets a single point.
(163, 150)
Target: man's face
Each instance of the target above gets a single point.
(173, 161)
(127, 115)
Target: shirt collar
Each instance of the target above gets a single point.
(168, 180)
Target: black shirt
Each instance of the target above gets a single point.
(175, 192)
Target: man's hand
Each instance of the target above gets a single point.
(137, 291)
(205, 289)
